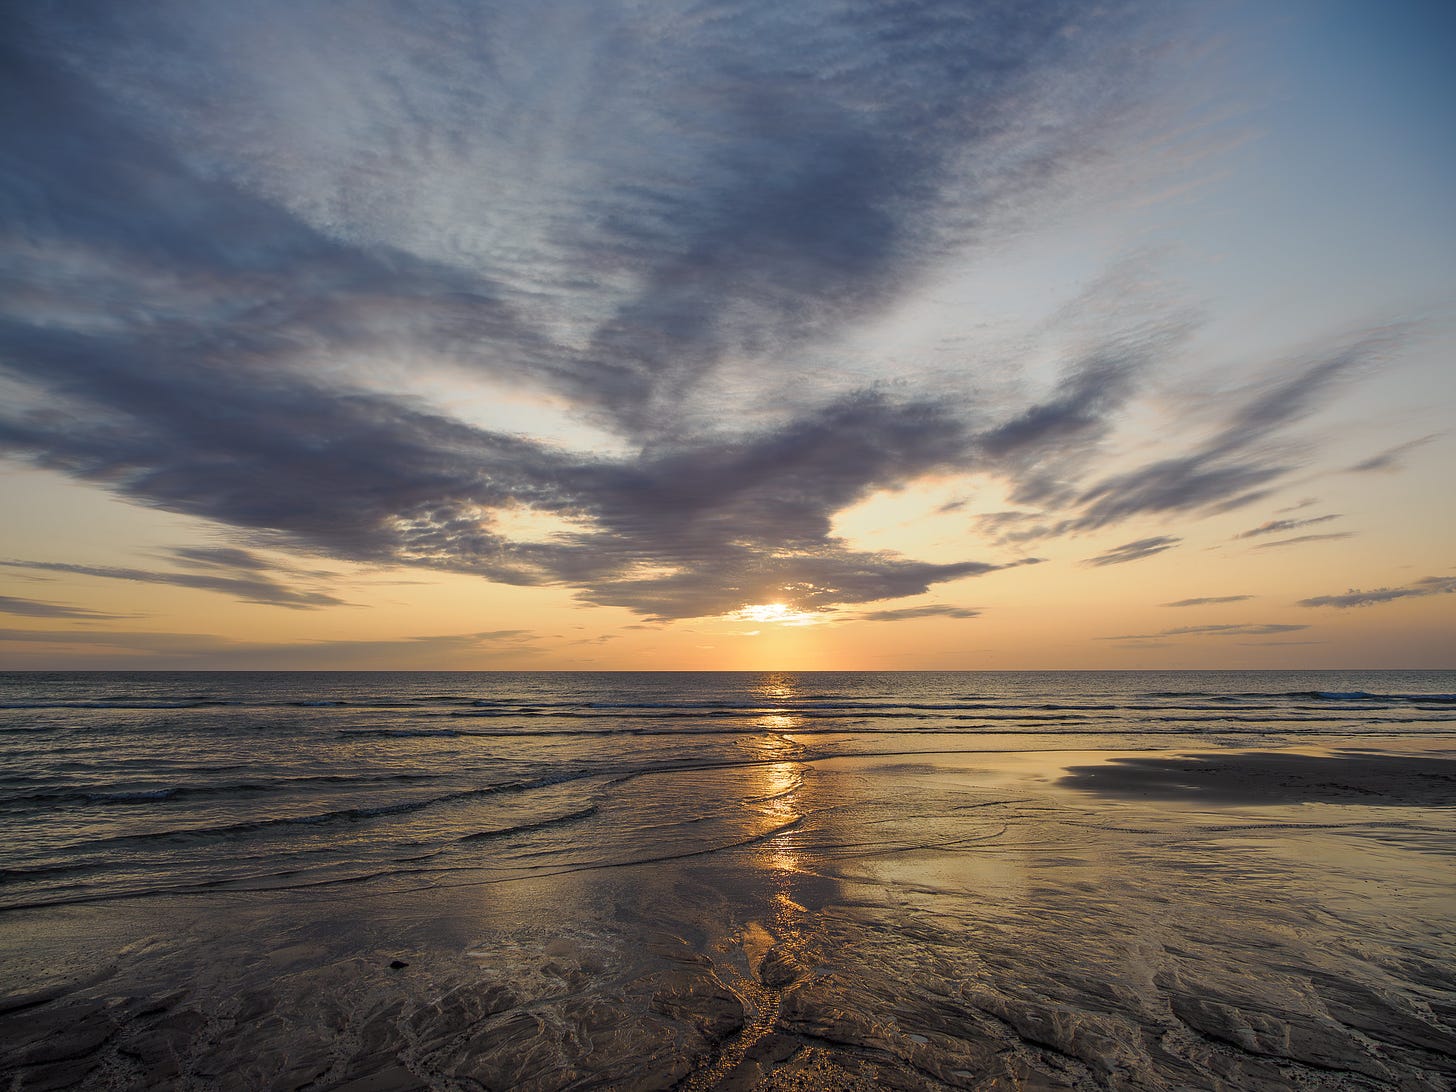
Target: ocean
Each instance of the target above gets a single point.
(852, 879)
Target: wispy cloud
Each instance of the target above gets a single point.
(219, 557)
(906, 614)
(1238, 464)
(158, 649)
(251, 587)
(1207, 600)
(1279, 526)
(1235, 629)
(1134, 551)
(33, 608)
(1390, 459)
(1301, 539)
(1302, 503)
(1280, 644)
(1431, 585)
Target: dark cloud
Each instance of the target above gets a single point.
(1043, 449)
(249, 587)
(209, 240)
(1207, 600)
(1078, 410)
(1239, 464)
(34, 608)
(1278, 526)
(1300, 539)
(224, 257)
(1236, 466)
(1134, 551)
(1233, 629)
(1431, 585)
(906, 614)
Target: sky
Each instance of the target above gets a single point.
(675, 335)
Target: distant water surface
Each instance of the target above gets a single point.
(121, 784)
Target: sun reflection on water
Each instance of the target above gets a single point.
(778, 722)
(778, 785)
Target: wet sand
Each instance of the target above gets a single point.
(1053, 919)
(1277, 778)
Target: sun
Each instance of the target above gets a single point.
(778, 613)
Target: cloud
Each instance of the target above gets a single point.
(1390, 459)
(1207, 600)
(1299, 539)
(1277, 526)
(1234, 629)
(217, 236)
(1431, 585)
(122, 640)
(1303, 502)
(225, 557)
(228, 254)
(33, 608)
(250, 587)
(1238, 464)
(906, 614)
(695, 190)
(1279, 644)
(1117, 339)
(1134, 551)
(1078, 410)
(195, 650)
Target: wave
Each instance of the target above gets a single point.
(1362, 695)
(1307, 695)
(184, 703)
(315, 819)
(101, 794)
(826, 705)
(516, 706)
(812, 713)
(406, 733)
(539, 824)
(1014, 725)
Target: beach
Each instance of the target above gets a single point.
(784, 908)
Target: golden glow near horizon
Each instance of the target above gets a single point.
(1061, 613)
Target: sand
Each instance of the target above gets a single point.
(1273, 919)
